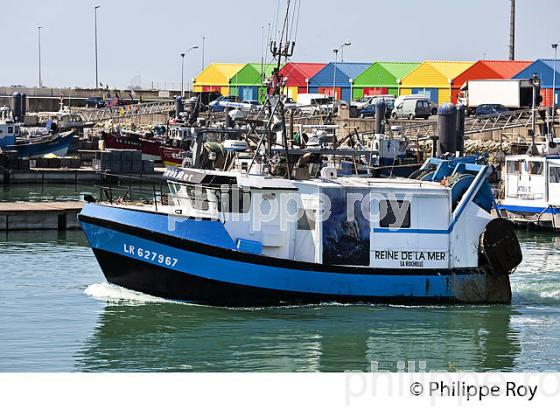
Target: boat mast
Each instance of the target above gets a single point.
(281, 49)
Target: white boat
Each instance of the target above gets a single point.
(532, 187)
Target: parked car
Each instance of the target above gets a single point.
(485, 110)
(95, 102)
(314, 103)
(215, 105)
(412, 108)
(433, 107)
(362, 102)
(252, 105)
(368, 111)
(371, 99)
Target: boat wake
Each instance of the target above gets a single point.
(536, 293)
(115, 294)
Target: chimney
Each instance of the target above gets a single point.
(512, 32)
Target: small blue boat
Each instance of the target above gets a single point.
(232, 239)
(56, 144)
(10, 140)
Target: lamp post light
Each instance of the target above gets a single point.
(555, 47)
(203, 51)
(182, 74)
(536, 83)
(39, 44)
(335, 51)
(95, 29)
(346, 44)
(183, 69)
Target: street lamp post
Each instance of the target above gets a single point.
(335, 51)
(346, 44)
(536, 83)
(182, 74)
(95, 29)
(203, 51)
(555, 47)
(183, 68)
(39, 43)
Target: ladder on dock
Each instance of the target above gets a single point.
(90, 116)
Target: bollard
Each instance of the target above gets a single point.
(179, 106)
(380, 109)
(447, 128)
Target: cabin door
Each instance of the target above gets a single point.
(554, 184)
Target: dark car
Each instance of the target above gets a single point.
(368, 110)
(486, 110)
(95, 102)
(215, 105)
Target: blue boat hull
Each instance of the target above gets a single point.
(57, 145)
(172, 266)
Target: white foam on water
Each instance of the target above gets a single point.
(112, 293)
(551, 294)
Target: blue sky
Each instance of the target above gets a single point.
(144, 37)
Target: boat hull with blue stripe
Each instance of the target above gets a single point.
(439, 244)
(135, 250)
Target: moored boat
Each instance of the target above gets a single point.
(149, 145)
(32, 147)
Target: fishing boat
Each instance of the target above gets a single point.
(149, 145)
(218, 241)
(531, 194)
(12, 140)
(278, 225)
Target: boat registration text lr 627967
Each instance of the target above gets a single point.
(150, 255)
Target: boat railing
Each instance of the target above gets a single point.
(119, 189)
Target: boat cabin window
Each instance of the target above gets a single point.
(394, 214)
(513, 167)
(554, 175)
(10, 130)
(536, 168)
(234, 200)
(198, 197)
(306, 221)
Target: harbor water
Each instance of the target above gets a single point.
(58, 314)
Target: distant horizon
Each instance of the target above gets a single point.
(134, 50)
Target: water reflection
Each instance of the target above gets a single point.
(175, 337)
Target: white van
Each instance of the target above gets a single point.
(314, 103)
(411, 108)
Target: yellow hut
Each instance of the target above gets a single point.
(216, 77)
(434, 79)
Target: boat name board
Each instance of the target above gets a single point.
(409, 259)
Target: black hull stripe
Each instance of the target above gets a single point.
(235, 255)
(180, 286)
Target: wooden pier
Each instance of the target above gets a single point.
(21, 216)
